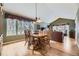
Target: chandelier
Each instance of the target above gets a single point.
(38, 20)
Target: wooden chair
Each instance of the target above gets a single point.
(1, 42)
(39, 45)
(34, 43)
(49, 37)
(26, 36)
(47, 40)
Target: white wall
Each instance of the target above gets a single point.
(77, 28)
(43, 24)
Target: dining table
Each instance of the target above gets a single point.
(39, 43)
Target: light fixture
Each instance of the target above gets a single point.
(38, 20)
(1, 8)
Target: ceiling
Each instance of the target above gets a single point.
(48, 12)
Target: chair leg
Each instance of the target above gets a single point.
(33, 50)
(50, 45)
(25, 41)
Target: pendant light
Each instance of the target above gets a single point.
(38, 20)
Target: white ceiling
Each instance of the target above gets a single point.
(46, 11)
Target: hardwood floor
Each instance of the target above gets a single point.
(58, 49)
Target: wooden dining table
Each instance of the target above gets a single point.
(39, 35)
(39, 43)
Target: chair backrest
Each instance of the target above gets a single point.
(26, 31)
(49, 34)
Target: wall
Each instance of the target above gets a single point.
(77, 28)
(42, 24)
(13, 38)
(1, 22)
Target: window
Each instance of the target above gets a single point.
(17, 27)
(62, 28)
(20, 27)
(11, 27)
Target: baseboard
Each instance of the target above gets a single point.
(6, 43)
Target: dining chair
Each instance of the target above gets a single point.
(1, 42)
(26, 36)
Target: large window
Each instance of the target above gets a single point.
(11, 27)
(17, 27)
(62, 28)
(22, 25)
